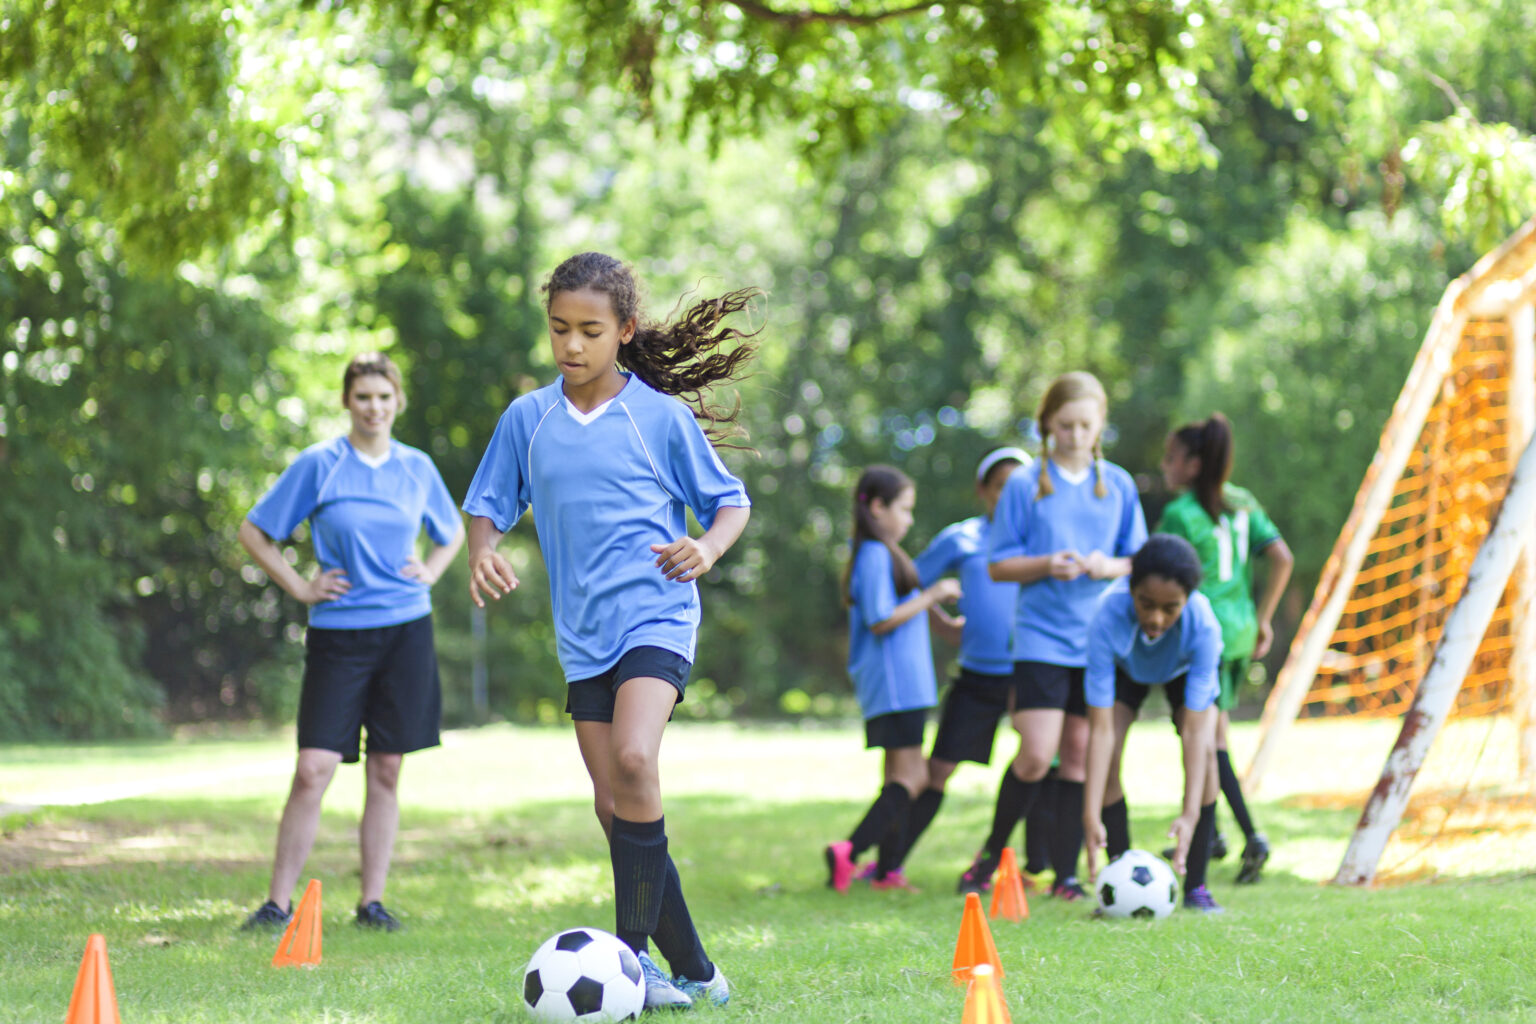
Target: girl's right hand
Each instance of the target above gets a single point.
(325, 586)
(945, 591)
(490, 572)
(1065, 565)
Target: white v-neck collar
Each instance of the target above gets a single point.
(584, 418)
(1071, 476)
(372, 461)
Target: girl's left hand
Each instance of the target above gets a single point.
(685, 559)
(1181, 832)
(1265, 640)
(417, 570)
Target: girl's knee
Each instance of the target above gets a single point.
(633, 766)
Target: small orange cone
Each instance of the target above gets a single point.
(300, 945)
(984, 1003)
(1008, 890)
(975, 945)
(94, 1000)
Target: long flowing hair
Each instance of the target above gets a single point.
(1070, 387)
(681, 358)
(884, 483)
(1211, 442)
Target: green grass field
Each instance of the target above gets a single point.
(499, 849)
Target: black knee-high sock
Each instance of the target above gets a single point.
(1200, 848)
(1233, 791)
(921, 816)
(1117, 823)
(893, 800)
(1037, 826)
(1067, 833)
(1015, 797)
(676, 938)
(893, 845)
(639, 853)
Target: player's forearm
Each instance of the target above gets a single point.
(483, 537)
(266, 554)
(1198, 736)
(903, 613)
(725, 530)
(1280, 562)
(1101, 746)
(1020, 569)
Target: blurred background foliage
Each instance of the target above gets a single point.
(206, 209)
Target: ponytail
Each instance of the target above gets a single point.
(1211, 442)
(681, 358)
(883, 483)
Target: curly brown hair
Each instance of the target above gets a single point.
(681, 358)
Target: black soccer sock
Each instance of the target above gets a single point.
(894, 844)
(1067, 833)
(1232, 789)
(1200, 848)
(676, 938)
(639, 853)
(1037, 827)
(1015, 797)
(1117, 823)
(892, 800)
(921, 816)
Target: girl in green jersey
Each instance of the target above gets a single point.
(1227, 527)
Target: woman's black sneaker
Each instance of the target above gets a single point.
(269, 917)
(373, 915)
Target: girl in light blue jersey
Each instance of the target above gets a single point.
(609, 462)
(891, 663)
(369, 659)
(1156, 630)
(1062, 532)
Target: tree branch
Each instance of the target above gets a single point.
(795, 19)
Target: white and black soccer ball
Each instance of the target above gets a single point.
(583, 974)
(1138, 884)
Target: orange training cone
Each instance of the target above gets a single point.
(300, 946)
(94, 1000)
(975, 945)
(984, 1003)
(1008, 890)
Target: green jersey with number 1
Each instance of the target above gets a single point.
(1226, 547)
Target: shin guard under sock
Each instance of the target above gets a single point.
(1199, 857)
(1038, 824)
(1015, 797)
(893, 799)
(924, 808)
(1067, 833)
(1232, 789)
(639, 853)
(1117, 826)
(893, 845)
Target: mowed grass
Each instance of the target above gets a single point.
(499, 849)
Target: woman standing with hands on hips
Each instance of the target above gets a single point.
(609, 461)
(369, 658)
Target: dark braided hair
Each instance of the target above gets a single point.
(883, 483)
(681, 358)
(1211, 443)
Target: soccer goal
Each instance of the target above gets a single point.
(1426, 608)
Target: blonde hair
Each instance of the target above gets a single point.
(1070, 387)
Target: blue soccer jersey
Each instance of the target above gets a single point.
(603, 488)
(1050, 621)
(364, 518)
(1192, 646)
(987, 605)
(894, 671)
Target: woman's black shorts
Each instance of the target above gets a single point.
(895, 730)
(383, 680)
(1043, 686)
(972, 707)
(591, 700)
